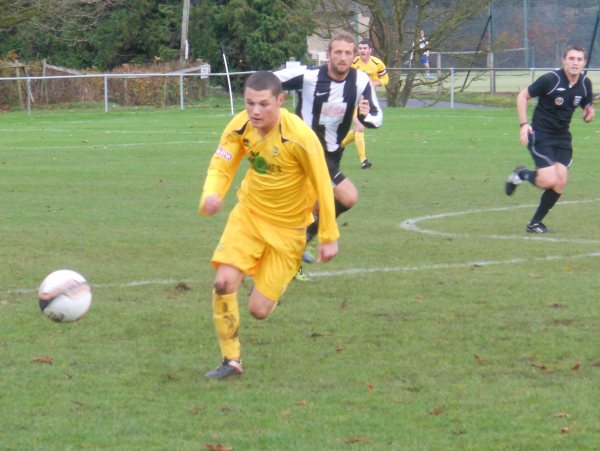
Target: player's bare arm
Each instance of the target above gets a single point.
(525, 128)
(589, 113)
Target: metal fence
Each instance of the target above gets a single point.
(185, 89)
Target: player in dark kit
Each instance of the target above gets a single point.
(548, 137)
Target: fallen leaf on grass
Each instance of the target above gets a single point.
(302, 402)
(357, 440)
(479, 358)
(46, 360)
(539, 366)
(561, 415)
(218, 447)
(437, 411)
(182, 286)
(79, 403)
(576, 366)
(370, 387)
(419, 297)
(564, 430)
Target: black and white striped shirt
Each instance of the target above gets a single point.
(328, 105)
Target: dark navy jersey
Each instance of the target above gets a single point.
(557, 100)
(328, 105)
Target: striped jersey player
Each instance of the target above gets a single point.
(330, 96)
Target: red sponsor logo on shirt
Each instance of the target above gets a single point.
(222, 153)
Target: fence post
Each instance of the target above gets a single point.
(105, 94)
(181, 92)
(451, 87)
(490, 64)
(29, 96)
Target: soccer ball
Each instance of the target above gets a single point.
(65, 296)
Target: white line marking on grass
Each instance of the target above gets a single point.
(412, 225)
(113, 132)
(135, 283)
(105, 146)
(440, 266)
(344, 272)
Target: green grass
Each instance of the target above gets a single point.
(460, 335)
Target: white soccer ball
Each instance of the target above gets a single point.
(65, 296)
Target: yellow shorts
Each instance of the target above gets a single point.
(269, 253)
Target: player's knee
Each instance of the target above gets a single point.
(222, 287)
(260, 311)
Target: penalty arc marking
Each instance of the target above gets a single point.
(414, 225)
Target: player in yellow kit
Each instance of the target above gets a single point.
(377, 72)
(265, 233)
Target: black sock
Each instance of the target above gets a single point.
(548, 200)
(526, 174)
(311, 230)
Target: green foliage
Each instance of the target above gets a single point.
(470, 336)
(256, 34)
(14, 12)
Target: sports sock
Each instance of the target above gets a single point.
(226, 316)
(311, 230)
(526, 174)
(348, 139)
(548, 200)
(359, 140)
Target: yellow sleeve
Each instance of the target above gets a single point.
(225, 161)
(312, 158)
(382, 73)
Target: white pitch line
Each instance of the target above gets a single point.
(103, 146)
(412, 225)
(438, 266)
(112, 132)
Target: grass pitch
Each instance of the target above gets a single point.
(441, 324)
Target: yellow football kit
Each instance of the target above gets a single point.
(376, 71)
(374, 67)
(265, 234)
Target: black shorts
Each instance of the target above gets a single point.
(333, 165)
(547, 149)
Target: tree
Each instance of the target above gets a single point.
(394, 28)
(14, 12)
(255, 34)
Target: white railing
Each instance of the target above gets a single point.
(446, 80)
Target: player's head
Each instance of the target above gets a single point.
(341, 51)
(264, 80)
(364, 50)
(573, 59)
(263, 96)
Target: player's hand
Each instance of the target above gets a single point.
(212, 204)
(363, 106)
(589, 112)
(524, 133)
(327, 251)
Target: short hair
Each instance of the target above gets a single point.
(365, 42)
(576, 47)
(342, 36)
(264, 80)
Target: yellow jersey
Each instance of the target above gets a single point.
(286, 173)
(374, 67)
